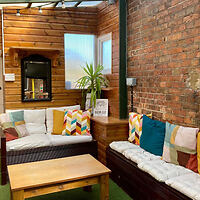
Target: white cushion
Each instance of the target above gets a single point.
(42, 140)
(62, 140)
(28, 142)
(188, 184)
(121, 146)
(49, 115)
(139, 155)
(161, 170)
(35, 121)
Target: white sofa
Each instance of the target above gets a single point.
(40, 144)
(39, 124)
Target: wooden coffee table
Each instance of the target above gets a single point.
(44, 177)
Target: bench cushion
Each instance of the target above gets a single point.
(188, 184)
(161, 170)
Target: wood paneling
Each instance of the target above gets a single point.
(108, 21)
(45, 30)
(106, 130)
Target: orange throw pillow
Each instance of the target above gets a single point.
(58, 120)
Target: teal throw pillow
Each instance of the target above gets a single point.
(153, 135)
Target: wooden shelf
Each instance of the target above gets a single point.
(18, 53)
(35, 49)
(107, 89)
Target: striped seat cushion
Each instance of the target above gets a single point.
(77, 122)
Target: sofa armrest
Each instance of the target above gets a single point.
(2, 135)
(3, 169)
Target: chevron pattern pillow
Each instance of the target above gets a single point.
(135, 127)
(76, 122)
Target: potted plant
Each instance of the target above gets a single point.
(92, 82)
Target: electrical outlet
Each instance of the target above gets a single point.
(9, 77)
(130, 81)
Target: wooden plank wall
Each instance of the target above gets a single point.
(108, 21)
(45, 30)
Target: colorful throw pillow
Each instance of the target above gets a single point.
(180, 146)
(13, 128)
(77, 122)
(153, 134)
(58, 118)
(135, 127)
(198, 151)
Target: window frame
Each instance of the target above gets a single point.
(100, 40)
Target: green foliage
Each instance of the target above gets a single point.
(92, 82)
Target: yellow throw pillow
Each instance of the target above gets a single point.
(58, 120)
(198, 151)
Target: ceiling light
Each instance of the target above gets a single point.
(40, 10)
(18, 12)
(63, 4)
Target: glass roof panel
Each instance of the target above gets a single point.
(89, 3)
(67, 4)
(41, 4)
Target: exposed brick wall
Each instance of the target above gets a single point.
(108, 21)
(164, 56)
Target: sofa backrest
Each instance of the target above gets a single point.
(49, 115)
(40, 121)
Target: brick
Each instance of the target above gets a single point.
(167, 36)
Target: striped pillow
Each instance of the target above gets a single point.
(76, 122)
(135, 127)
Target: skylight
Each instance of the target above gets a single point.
(89, 3)
(58, 4)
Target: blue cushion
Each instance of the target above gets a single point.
(153, 135)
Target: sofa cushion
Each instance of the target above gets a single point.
(188, 184)
(62, 140)
(153, 134)
(121, 146)
(180, 146)
(135, 127)
(139, 155)
(58, 120)
(43, 140)
(49, 115)
(35, 121)
(77, 122)
(161, 170)
(29, 142)
(13, 125)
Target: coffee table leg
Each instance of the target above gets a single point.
(18, 195)
(104, 187)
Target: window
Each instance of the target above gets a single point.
(79, 50)
(105, 52)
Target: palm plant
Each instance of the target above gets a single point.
(92, 82)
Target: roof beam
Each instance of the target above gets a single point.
(56, 4)
(29, 5)
(78, 3)
(35, 1)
